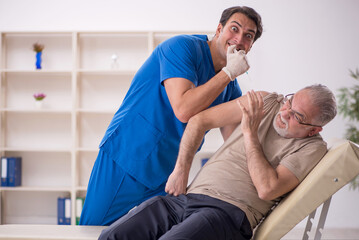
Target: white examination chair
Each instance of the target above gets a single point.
(338, 167)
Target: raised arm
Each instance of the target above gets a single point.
(225, 114)
(187, 100)
(269, 182)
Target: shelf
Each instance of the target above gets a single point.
(27, 149)
(31, 207)
(93, 149)
(96, 111)
(92, 128)
(97, 50)
(30, 34)
(85, 76)
(18, 48)
(81, 188)
(19, 88)
(36, 72)
(108, 72)
(54, 111)
(84, 163)
(36, 131)
(36, 189)
(102, 91)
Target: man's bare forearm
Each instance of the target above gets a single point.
(190, 142)
(262, 173)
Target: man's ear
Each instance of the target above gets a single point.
(315, 130)
(219, 29)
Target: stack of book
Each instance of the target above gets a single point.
(10, 171)
(64, 210)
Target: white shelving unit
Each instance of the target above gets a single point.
(59, 142)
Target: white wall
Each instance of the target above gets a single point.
(304, 42)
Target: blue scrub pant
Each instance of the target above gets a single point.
(192, 216)
(111, 193)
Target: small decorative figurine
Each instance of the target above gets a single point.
(38, 49)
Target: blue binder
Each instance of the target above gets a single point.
(4, 178)
(14, 171)
(63, 211)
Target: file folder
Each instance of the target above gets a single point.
(14, 171)
(79, 206)
(67, 211)
(4, 178)
(63, 211)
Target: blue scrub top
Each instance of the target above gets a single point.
(144, 135)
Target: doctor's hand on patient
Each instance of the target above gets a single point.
(237, 62)
(177, 182)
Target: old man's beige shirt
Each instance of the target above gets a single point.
(225, 176)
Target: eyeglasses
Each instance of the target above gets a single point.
(297, 116)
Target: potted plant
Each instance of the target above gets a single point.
(348, 106)
(39, 97)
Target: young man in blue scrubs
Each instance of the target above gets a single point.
(183, 76)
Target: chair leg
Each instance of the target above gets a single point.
(323, 217)
(321, 222)
(309, 225)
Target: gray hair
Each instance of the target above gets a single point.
(324, 99)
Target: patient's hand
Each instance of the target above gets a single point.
(177, 182)
(253, 115)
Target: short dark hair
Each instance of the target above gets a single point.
(248, 12)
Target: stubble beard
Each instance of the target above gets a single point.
(281, 131)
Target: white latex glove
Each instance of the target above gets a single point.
(237, 62)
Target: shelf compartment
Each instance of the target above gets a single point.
(57, 53)
(92, 128)
(20, 88)
(102, 92)
(55, 167)
(161, 37)
(96, 50)
(85, 164)
(38, 131)
(24, 208)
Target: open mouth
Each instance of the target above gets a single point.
(230, 44)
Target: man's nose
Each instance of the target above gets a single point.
(286, 113)
(239, 43)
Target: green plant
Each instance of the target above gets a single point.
(348, 106)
